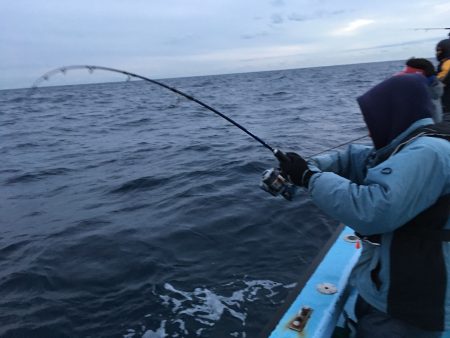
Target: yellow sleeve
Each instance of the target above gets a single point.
(445, 68)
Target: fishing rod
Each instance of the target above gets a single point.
(273, 181)
(91, 69)
(433, 28)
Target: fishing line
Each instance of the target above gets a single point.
(63, 70)
(339, 145)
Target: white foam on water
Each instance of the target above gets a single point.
(205, 307)
(159, 333)
(130, 333)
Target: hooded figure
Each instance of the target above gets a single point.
(392, 106)
(435, 86)
(443, 70)
(443, 50)
(396, 196)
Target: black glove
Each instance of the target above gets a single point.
(295, 168)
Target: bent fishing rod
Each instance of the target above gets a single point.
(91, 69)
(63, 70)
(273, 181)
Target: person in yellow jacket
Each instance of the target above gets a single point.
(443, 70)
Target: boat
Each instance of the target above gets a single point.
(322, 303)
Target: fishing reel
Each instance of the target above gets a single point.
(275, 184)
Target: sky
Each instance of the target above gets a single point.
(179, 38)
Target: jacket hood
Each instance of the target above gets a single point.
(443, 49)
(392, 106)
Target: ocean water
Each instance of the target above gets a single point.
(128, 211)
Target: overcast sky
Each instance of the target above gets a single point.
(177, 38)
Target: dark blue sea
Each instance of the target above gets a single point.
(129, 211)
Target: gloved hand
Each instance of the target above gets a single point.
(296, 169)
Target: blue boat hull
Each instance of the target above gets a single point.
(324, 298)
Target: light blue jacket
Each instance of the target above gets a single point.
(379, 199)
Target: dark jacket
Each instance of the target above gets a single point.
(443, 55)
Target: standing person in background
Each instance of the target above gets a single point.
(436, 87)
(443, 56)
(396, 196)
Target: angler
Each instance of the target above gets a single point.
(443, 56)
(396, 196)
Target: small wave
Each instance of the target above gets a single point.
(202, 84)
(63, 98)
(19, 99)
(34, 214)
(56, 190)
(36, 176)
(250, 167)
(142, 183)
(8, 249)
(139, 122)
(9, 123)
(62, 129)
(80, 227)
(280, 93)
(92, 222)
(197, 147)
(133, 208)
(27, 145)
(17, 281)
(102, 102)
(102, 163)
(9, 171)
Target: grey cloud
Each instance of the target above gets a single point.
(253, 36)
(340, 11)
(277, 19)
(298, 17)
(179, 39)
(277, 3)
(316, 15)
